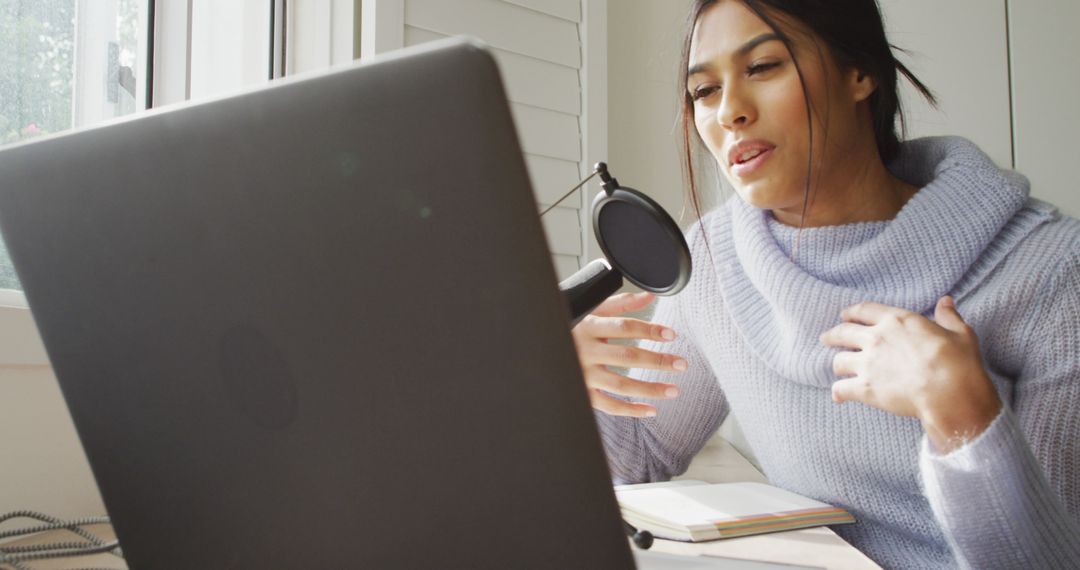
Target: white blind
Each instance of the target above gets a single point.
(537, 44)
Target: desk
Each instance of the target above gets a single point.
(718, 462)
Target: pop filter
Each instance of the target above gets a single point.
(640, 242)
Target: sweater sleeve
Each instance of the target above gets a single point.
(655, 449)
(1010, 498)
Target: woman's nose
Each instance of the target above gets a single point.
(734, 111)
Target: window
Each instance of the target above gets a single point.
(68, 63)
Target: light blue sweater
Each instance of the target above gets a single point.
(749, 322)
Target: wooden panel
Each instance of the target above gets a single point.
(528, 80)
(563, 230)
(565, 265)
(502, 25)
(565, 9)
(1046, 79)
(967, 71)
(551, 178)
(547, 133)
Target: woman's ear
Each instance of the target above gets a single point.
(861, 85)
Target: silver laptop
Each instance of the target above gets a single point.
(316, 325)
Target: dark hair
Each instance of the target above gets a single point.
(854, 33)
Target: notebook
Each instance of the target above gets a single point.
(696, 511)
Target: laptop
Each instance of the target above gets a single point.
(316, 324)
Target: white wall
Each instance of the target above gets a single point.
(44, 468)
(643, 54)
(1045, 80)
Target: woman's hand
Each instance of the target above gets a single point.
(591, 337)
(908, 365)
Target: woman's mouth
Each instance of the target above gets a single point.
(751, 165)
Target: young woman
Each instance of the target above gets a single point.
(895, 324)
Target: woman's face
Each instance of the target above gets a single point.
(746, 91)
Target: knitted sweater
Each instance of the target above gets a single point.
(749, 321)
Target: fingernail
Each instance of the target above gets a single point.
(650, 414)
(668, 334)
(680, 365)
(671, 392)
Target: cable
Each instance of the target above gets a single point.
(13, 556)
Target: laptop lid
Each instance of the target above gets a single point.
(316, 325)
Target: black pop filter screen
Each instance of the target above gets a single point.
(638, 245)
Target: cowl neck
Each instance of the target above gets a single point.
(967, 215)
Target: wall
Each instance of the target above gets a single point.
(643, 52)
(1043, 45)
(44, 468)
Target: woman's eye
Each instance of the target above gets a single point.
(704, 91)
(760, 67)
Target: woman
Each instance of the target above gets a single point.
(896, 324)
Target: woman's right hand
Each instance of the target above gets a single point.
(591, 337)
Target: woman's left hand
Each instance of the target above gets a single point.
(908, 365)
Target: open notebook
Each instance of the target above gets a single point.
(696, 511)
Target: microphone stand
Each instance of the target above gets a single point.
(585, 290)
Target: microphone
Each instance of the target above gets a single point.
(640, 242)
